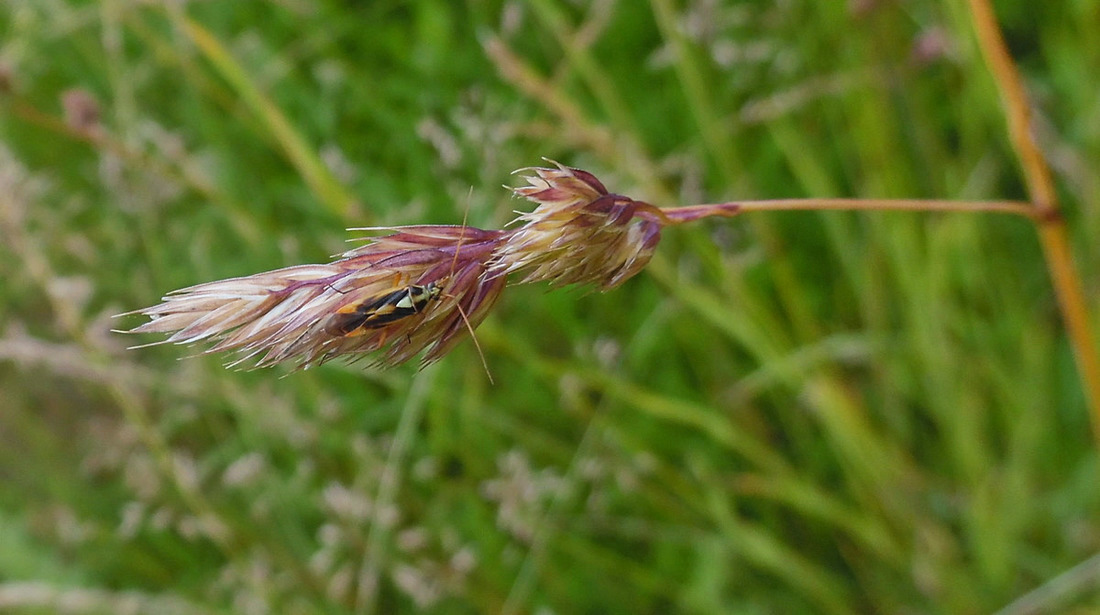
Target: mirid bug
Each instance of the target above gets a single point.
(379, 311)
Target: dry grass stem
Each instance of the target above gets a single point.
(1053, 233)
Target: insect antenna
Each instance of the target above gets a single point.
(477, 345)
(462, 312)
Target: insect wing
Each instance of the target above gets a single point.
(377, 312)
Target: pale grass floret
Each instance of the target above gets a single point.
(579, 233)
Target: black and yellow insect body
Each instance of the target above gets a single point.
(382, 310)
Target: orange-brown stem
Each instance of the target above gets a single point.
(680, 215)
(1053, 233)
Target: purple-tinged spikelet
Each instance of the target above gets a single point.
(579, 233)
(287, 314)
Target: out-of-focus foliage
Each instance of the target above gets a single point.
(829, 412)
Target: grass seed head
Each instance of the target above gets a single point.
(417, 290)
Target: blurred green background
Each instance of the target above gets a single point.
(798, 412)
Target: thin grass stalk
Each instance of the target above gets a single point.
(389, 485)
(680, 215)
(1053, 233)
(294, 146)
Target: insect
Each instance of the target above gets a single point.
(381, 310)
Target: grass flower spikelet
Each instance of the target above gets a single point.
(286, 314)
(579, 233)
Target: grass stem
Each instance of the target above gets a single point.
(1053, 232)
(679, 215)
